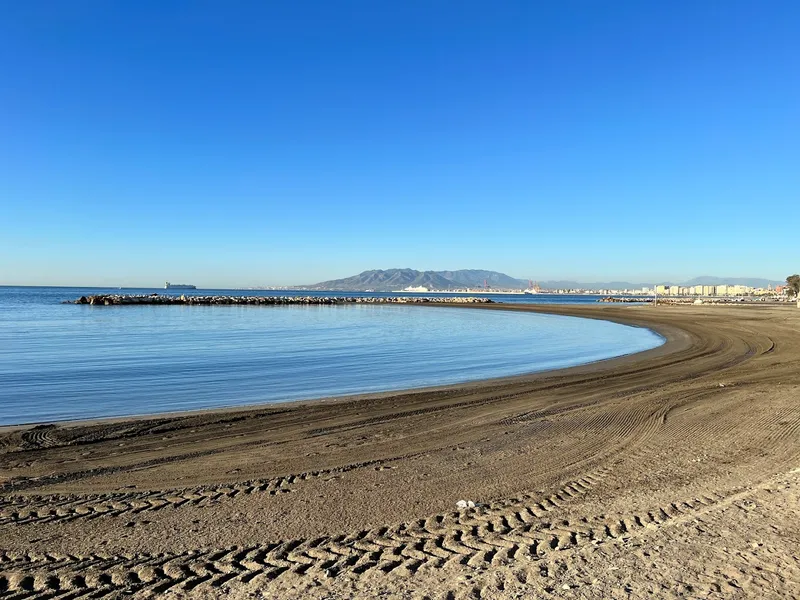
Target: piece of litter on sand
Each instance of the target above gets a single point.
(465, 504)
(721, 385)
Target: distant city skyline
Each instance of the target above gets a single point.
(629, 283)
(203, 281)
(268, 144)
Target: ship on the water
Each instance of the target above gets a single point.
(178, 286)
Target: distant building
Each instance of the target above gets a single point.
(723, 289)
(740, 290)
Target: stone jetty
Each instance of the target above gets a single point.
(627, 299)
(129, 300)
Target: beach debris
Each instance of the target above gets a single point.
(462, 504)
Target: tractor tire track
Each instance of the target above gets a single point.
(515, 531)
(500, 534)
(60, 508)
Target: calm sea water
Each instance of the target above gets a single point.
(61, 361)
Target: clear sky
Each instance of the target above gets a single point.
(272, 143)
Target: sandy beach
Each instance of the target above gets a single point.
(672, 473)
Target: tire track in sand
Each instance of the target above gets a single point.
(523, 528)
(59, 508)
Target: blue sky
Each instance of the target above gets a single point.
(271, 143)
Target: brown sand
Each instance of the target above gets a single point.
(670, 473)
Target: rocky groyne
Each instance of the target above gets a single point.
(157, 299)
(626, 299)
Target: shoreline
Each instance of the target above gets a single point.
(684, 456)
(609, 362)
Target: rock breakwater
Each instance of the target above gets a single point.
(150, 299)
(626, 299)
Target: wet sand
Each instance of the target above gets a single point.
(669, 473)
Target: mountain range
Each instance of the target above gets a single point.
(381, 280)
(396, 279)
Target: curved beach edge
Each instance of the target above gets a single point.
(674, 470)
(675, 339)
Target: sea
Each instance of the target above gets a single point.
(64, 361)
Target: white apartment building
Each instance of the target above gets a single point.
(704, 290)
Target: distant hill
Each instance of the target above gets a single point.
(475, 278)
(751, 281)
(627, 285)
(597, 285)
(396, 279)
(386, 280)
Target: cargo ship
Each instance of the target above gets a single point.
(178, 286)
